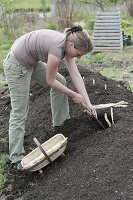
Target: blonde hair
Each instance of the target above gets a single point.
(79, 37)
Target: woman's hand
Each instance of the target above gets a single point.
(90, 109)
(77, 98)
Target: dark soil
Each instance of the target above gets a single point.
(98, 164)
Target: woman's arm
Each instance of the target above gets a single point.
(51, 71)
(79, 83)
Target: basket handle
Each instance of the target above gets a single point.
(42, 150)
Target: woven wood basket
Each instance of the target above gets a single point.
(45, 153)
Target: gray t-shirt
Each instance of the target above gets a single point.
(35, 46)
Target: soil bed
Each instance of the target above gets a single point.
(98, 164)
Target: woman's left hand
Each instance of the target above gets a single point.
(90, 109)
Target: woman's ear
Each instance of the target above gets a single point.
(72, 44)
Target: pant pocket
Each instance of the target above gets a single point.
(25, 71)
(13, 69)
(6, 64)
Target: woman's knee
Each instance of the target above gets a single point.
(18, 115)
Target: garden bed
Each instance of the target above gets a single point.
(97, 164)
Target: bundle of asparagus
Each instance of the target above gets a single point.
(119, 104)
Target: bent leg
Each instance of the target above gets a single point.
(59, 101)
(59, 104)
(18, 79)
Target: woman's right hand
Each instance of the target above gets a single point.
(78, 99)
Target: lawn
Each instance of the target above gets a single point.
(5, 45)
(30, 4)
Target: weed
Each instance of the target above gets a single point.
(5, 45)
(52, 26)
(130, 88)
(4, 158)
(3, 140)
(94, 58)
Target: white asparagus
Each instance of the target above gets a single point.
(106, 119)
(93, 81)
(108, 105)
(119, 104)
(112, 115)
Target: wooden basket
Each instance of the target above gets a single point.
(45, 153)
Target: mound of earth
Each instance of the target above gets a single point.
(98, 164)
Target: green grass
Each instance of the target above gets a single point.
(3, 140)
(120, 74)
(5, 45)
(93, 58)
(29, 4)
(99, 58)
(4, 158)
(128, 29)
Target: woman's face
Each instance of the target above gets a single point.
(72, 52)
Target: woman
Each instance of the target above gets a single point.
(36, 55)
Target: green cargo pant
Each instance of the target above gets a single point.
(19, 79)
